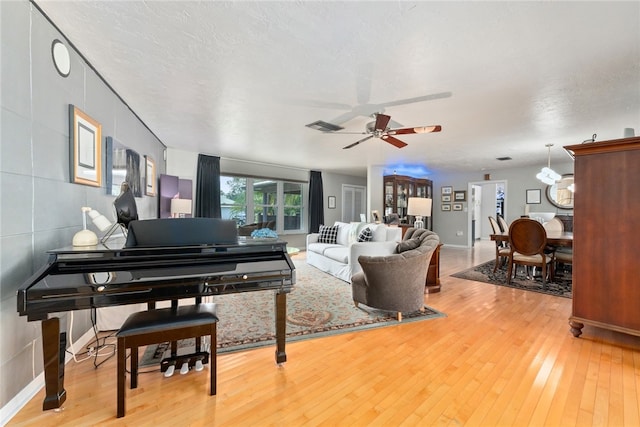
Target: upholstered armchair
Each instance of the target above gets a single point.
(396, 282)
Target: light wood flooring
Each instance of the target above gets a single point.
(500, 357)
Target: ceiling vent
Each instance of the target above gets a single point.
(502, 159)
(324, 126)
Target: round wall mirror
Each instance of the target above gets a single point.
(559, 194)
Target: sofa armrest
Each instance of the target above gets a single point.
(312, 238)
(368, 249)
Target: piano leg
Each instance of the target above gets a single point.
(281, 327)
(53, 348)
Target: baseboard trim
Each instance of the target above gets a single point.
(8, 411)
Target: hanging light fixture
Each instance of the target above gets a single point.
(548, 175)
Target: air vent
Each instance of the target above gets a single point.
(502, 159)
(324, 126)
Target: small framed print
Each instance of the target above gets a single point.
(332, 202)
(447, 190)
(460, 196)
(457, 206)
(446, 198)
(85, 148)
(446, 207)
(150, 177)
(533, 196)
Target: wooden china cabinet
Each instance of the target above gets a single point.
(397, 190)
(606, 236)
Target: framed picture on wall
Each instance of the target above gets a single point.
(446, 207)
(534, 196)
(150, 177)
(446, 198)
(460, 195)
(332, 202)
(85, 148)
(447, 190)
(457, 206)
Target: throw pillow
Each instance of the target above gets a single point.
(328, 234)
(365, 235)
(407, 245)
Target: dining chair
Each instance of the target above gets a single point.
(561, 256)
(504, 226)
(527, 241)
(502, 248)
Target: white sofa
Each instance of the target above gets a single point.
(341, 259)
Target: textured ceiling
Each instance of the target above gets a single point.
(242, 79)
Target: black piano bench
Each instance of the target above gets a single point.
(161, 325)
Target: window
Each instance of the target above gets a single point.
(278, 205)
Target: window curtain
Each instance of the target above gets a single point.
(208, 187)
(316, 205)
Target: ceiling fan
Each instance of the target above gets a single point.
(379, 129)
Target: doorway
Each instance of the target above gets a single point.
(354, 202)
(488, 198)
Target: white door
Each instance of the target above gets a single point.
(354, 202)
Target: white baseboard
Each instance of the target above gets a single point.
(14, 406)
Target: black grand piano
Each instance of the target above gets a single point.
(162, 259)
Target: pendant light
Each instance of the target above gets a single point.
(548, 175)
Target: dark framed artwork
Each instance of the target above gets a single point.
(447, 190)
(332, 202)
(446, 207)
(85, 139)
(150, 177)
(534, 196)
(457, 206)
(446, 198)
(123, 165)
(460, 196)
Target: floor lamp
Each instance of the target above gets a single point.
(419, 207)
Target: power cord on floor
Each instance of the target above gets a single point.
(99, 347)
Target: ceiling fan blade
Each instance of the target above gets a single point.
(393, 141)
(357, 142)
(417, 99)
(382, 121)
(421, 129)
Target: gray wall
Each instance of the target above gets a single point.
(449, 224)
(40, 208)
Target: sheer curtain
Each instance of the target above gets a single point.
(316, 205)
(208, 187)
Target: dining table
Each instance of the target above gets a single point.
(554, 238)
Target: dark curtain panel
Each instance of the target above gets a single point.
(208, 187)
(316, 204)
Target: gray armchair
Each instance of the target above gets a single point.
(396, 282)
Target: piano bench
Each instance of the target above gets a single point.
(161, 325)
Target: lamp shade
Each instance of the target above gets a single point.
(419, 206)
(180, 206)
(99, 220)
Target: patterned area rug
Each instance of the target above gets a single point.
(484, 273)
(319, 305)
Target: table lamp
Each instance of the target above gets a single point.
(419, 207)
(180, 208)
(86, 237)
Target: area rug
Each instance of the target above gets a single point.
(319, 305)
(561, 286)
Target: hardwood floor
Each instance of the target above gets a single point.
(500, 357)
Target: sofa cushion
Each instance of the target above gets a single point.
(344, 229)
(319, 248)
(328, 234)
(407, 245)
(365, 235)
(338, 253)
(379, 232)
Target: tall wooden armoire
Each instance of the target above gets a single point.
(606, 236)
